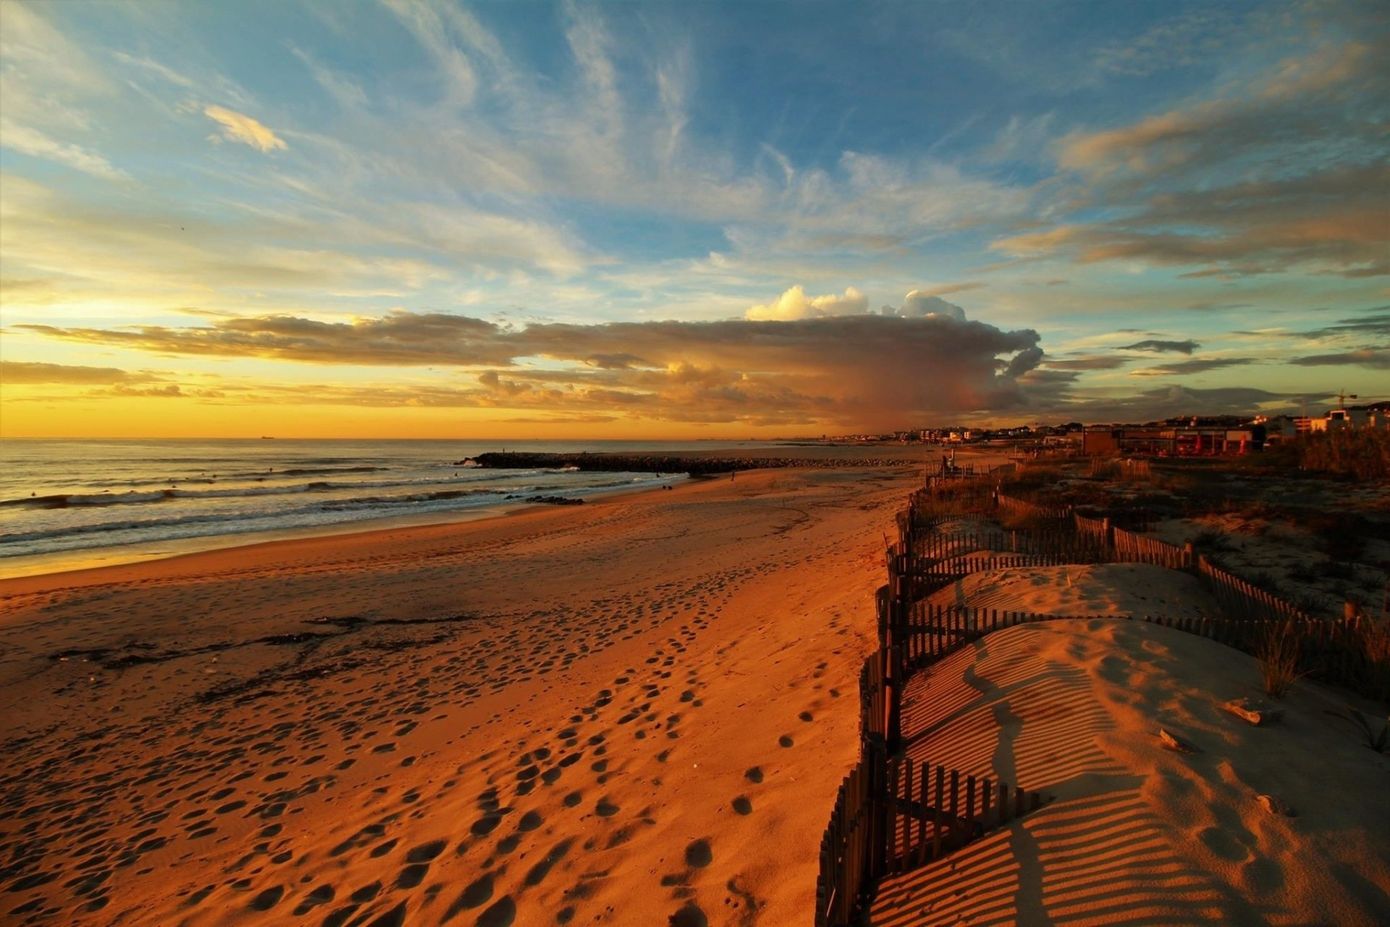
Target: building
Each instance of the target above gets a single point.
(1171, 440)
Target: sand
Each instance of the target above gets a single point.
(632, 712)
(1136, 833)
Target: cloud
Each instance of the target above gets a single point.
(919, 304)
(795, 304)
(860, 370)
(1331, 219)
(1373, 358)
(36, 144)
(1375, 322)
(1150, 344)
(1175, 400)
(1023, 362)
(1093, 362)
(1184, 368)
(238, 127)
(1181, 41)
(1282, 169)
(14, 373)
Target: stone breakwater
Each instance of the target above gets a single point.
(693, 465)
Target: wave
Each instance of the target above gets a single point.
(165, 519)
(133, 497)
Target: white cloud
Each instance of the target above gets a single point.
(920, 304)
(795, 304)
(238, 127)
(36, 144)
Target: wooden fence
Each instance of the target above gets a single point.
(894, 813)
(848, 864)
(936, 810)
(1242, 598)
(1022, 509)
(1129, 547)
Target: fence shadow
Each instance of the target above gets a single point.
(941, 741)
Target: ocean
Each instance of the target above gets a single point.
(70, 503)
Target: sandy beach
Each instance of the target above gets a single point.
(632, 712)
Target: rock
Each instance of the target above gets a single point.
(1175, 743)
(1255, 711)
(1276, 805)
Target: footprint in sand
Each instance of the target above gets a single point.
(689, 916)
(539, 871)
(698, 854)
(426, 851)
(268, 898)
(605, 808)
(477, 894)
(754, 774)
(785, 740)
(320, 895)
(742, 805)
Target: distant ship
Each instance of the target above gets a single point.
(267, 437)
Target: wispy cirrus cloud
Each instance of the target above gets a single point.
(32, 142)
(1279, 170)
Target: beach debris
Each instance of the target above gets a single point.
(1275, 805)
(1175, 743)
(1255, 711)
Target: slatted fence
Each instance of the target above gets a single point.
(894, 813)
(1129, 547)
(848, 865)
(937, 809)
(1243, 598)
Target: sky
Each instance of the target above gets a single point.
(682, 220)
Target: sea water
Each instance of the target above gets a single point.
(102, 501)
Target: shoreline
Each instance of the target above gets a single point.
(516, 715)
(786, 458)
(216, 545)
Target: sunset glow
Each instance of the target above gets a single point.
(681, 220)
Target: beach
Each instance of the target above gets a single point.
(635, 711)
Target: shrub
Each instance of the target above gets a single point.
(1210, 541)
(1371, 645)
(1278, 654)
(1363, 453)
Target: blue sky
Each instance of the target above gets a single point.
(440, 219)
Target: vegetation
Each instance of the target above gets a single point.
(1363, 453)
(1278, 655)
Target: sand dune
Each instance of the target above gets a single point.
(636, 712)
(1135, 833)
